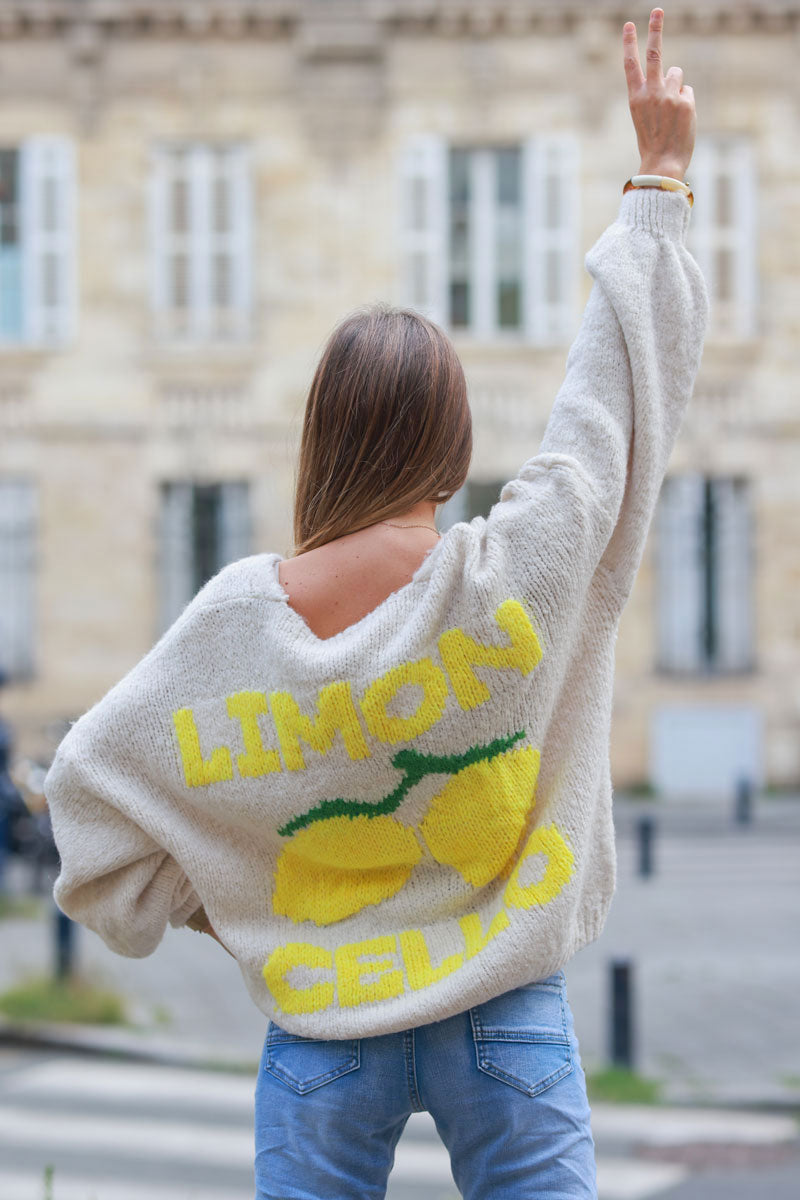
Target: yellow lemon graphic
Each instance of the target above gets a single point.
(334, 868)
(476, 821)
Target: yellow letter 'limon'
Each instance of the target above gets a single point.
(199, 771)
(460, 653)
(425, 674)
(256, 760)
(335, 710)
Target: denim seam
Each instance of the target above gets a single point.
(564, 1020)
(409, 1044)
(522, 1035)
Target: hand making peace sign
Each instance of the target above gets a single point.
(662, 107)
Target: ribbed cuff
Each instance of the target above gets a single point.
(665, 214)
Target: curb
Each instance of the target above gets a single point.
(101, 1042)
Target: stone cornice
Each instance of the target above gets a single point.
(150, 18)
(369, 20)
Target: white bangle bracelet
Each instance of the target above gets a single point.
(665, 182)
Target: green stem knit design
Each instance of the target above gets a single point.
(415, 767)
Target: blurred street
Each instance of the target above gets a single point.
(710, 934)
(715, 1002)
(115, 1130)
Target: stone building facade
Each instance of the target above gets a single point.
(193, 193)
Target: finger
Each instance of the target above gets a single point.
(674, 76)
(653, 54)
(630, 57)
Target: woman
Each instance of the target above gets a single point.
(377, 772)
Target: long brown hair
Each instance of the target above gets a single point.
(387, 424)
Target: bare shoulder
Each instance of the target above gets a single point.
(335, 585)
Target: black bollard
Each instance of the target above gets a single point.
(65, 944)
(646, 828)
(621, 1013)
(744, 801)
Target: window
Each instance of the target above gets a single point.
(17, 567)
(486, 224)
(722, 233)
(200, 226)
(12, 323)
(203, 527)
(37, 242)
(489, 236)
(704, 575)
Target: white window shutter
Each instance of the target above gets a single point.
(714, 162)
(158, 198)
(234, 535)
(423, 233)
(17, 576)
(48, 227)
(700, 235)
(551, 236)
(241, 237)
(741, 168)
(176, 551)
(733, 573)
(230, 244)
(200, 242)
(679, 573)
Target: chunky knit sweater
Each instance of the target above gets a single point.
(391, 825)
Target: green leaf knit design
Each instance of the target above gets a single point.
(415, 767)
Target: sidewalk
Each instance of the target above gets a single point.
(113, 1129)
(712, 935)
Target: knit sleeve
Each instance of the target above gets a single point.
(114, 878)
(629, 376)
(108, 795)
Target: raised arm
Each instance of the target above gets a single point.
(593, 486)
(651, 299)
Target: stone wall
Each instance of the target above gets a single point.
(325, 95)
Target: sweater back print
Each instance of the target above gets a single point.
(396, 823)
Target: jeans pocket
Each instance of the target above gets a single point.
(307, 1063)
(523, 1038)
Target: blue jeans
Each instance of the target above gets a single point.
(503, 1082)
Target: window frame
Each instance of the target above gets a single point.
(200, 321)
(423, 234)
(710, 607)
(180, 501)
(46, 227)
